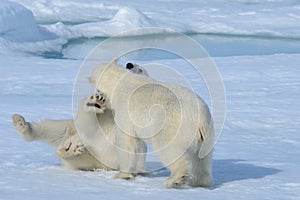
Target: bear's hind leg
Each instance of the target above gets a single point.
(23, 127)
(179, 172)
(71, 146)
(141, 157)
(201, 171)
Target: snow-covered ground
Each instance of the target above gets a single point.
(257, 155)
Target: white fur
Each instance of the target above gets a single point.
(50, 131)
(57, 133)
(175, 121)
(98, 133)
(62, 135)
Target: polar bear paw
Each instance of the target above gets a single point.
(176, 182)
(71, 147)
(96, 103)
(20, 125)
(124, 176)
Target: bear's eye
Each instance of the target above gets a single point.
(129, 66)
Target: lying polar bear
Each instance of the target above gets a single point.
(173, 119)
(62, 134)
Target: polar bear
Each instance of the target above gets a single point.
(173, 119)
(62, 134)
(100, 138)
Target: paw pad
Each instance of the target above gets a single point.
(96, 103)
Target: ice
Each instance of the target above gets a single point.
(70, 12)
(17, 22)
(218, 17)
(127, 18)
(19, 32)
(50, 25)
(256, 155)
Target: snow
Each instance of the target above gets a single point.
(20, 33)
(127, 18)
(17, 22)
(231, 17)
(257, 154)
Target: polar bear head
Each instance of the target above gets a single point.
(107, 75)
(135, 68)
(132, 67)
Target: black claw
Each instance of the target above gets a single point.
(68, 148)
(94, 105)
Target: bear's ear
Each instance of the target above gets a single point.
(129, 66)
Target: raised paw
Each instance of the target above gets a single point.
(96, 103)
(71, 147)
(22, 127)
(20, 124)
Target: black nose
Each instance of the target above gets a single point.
(129, 66)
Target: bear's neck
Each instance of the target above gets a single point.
(110, 80)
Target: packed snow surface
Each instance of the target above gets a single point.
(256, 155)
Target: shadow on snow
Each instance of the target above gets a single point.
(224, 171)
(229, 170)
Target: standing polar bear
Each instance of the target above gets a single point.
(62, 134)
(173, 119)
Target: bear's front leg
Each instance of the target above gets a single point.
(127, 149)
(95, 103)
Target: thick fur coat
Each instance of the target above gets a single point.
(173, 119)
